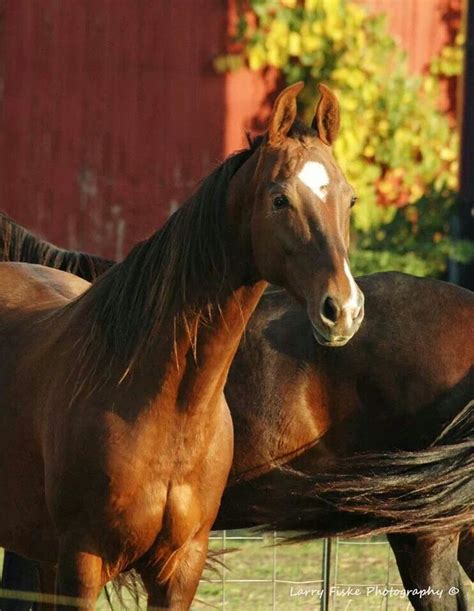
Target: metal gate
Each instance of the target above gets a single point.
(323, 575)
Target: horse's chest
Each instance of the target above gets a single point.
(152, 506)
(141, 462)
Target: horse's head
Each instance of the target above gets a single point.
(300, 217)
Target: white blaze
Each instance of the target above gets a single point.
(352, 302)
(314, 175)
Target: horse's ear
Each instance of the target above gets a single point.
(283, 113)
(326, 118)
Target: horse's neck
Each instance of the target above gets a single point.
(203, 359)
(206, 342)
(187, 367)
(171, 316)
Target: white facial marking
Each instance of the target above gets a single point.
(353, 300)
(314, 175)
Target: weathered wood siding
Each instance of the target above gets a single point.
(111, 111)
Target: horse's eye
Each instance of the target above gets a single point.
(353, 200)
(280, 202)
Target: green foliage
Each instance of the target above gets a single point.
(450, 61)
(395, 146)
(415, 242)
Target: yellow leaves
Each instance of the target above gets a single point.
(386, 187)
(369, 151)
(278, 32)
(257, 57)
(317, 28)
(310, 43)
(356, 78)
(447, 154)
(360, 39)
(416, 191)
(277, 56)
(294, 43)
(402, 136)
(393, 141)
(333, 25)
(331, 6)
(369, 94)
(383, 127)
(227, 63)
(430, 85)
(349, 141)
(276, 43)
(369, 115)
(356, 13)
(367, 214)
(449, 61)
(337, 35)
(452, 182)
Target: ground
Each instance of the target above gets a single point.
(358, 566)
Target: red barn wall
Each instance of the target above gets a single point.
(111, 111)
(422, 27)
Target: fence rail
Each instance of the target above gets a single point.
(322, 575)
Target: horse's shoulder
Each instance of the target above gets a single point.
(34, 285)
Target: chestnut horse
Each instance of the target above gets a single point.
(116, 391)
(398, 378)
(406, 372)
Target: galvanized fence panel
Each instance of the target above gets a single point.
(324, 575)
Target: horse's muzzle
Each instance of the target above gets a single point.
(338, 323)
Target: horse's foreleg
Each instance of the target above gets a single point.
(79, 575)
(466, 552)
(173, 584)
(430, 571)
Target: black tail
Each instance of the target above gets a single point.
(18, 244)
(428, 490)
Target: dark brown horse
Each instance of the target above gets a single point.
(116, 390)
(404, 375)
(375, 407)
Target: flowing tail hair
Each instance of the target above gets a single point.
(400, 491)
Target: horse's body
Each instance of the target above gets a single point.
(405, 374)
(390, 392)
(23, 483)
(77, 472)
(116, 440)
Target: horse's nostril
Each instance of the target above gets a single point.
(330, 310)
